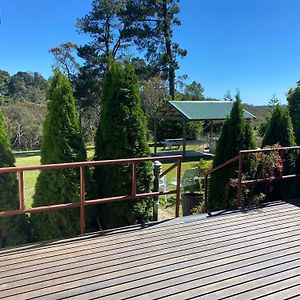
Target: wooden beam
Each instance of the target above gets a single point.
(184, 137)
(155, 136)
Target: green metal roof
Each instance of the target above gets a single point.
(198, 110)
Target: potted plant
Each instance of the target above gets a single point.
(191, 194)
(191, 185)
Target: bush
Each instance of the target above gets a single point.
(14, 230)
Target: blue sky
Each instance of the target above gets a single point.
(250, 45)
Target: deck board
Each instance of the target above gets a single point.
(234, 255)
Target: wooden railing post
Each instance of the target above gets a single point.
(206, 190)
(157, 172)
(240, 176)
(21, 190)
(82, 201)
(133, 190)
(178, 188)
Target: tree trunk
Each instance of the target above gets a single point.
(169, 51)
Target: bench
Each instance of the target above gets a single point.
(179, 142)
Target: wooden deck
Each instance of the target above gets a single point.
(235, 255)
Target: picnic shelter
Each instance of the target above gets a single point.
(186, 111)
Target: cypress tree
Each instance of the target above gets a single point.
(293, 98)
(236, 135)
(122, 134)
(279, 129)
(62, 142)
(14, 230)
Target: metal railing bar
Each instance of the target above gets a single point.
(21, 190)
(87, 164)
(270, 149)
(133, 190)
(168, 170)
(261, 180)
(82, 201)
(178, 188)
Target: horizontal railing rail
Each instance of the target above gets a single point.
(223, 165)
(240, 159)
(83, 201)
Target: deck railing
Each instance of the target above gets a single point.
(83, 201)
(240, 158)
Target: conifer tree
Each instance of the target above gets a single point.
(293, 98)
(279, 129)
(236, 135)
(62, 142)
(14, 230)
(122, 134)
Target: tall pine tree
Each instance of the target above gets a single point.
(236, 135)
(122, 134)
(14, 230)
(62, 142)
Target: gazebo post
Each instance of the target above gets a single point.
(183, 137)
(211, 128)
(155, 136)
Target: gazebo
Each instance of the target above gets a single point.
(185, 111)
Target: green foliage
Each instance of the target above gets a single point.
(106, 25)
(27, 86)
(204, 166)
(65, 59)
(236, 135)
(22, 97)
(279, 129)
(171, 129)
(62, 142)
(293, 98)
(14, 230)
(24, 121)
(193, 91)
(121, 134)
(151, 25)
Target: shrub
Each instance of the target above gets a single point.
(14, 230)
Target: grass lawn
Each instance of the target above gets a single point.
(31, 158)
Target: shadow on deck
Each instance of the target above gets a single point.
(235, 255)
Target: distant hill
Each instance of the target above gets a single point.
(260, 111)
